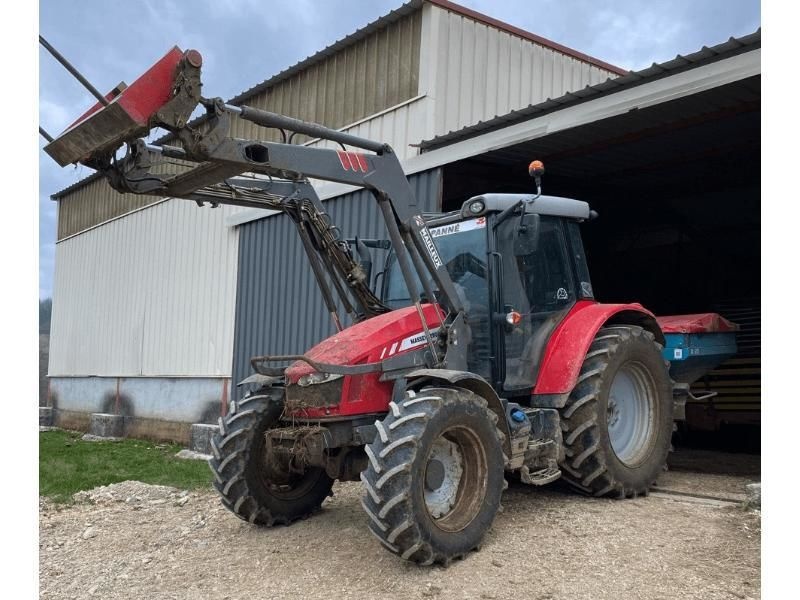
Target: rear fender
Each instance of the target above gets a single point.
(570, 342)
(468, 381)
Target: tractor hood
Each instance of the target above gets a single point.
(372, 340)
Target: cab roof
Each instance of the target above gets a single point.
(541, 205)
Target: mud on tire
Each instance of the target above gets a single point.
(591, 463)
(398, 488)
(239, 468)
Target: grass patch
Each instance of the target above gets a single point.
(67, 465)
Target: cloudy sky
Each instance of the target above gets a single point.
(246, 41)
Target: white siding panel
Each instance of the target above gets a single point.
(483, 72)
(399, 128)
(149, 294)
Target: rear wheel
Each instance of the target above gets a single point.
(249, 487)
(435, 475)
(617, 423)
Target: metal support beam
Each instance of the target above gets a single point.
(75, 73)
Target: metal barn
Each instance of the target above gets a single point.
(157, 303)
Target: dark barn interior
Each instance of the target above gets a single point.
(677, 188)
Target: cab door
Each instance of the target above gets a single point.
(538, 282)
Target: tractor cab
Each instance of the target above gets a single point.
(518, 266)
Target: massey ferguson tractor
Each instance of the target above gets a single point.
(484, 355)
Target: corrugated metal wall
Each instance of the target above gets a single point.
(151, 293)
(401, 127)
(362, 79)
(95, 203)
(481, 72)
(279, 309)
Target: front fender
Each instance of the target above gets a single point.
(570, 342)
(468, 381)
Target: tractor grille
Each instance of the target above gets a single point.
(321, 395)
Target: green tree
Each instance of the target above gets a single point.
(45, 309)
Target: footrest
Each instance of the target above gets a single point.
(540, 477)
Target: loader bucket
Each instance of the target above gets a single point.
(102, 129)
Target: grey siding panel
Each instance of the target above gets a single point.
(279, 309)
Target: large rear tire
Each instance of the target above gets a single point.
(435, 475)
(617, 423)
(240, 469)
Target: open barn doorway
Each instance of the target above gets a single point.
(677, 188)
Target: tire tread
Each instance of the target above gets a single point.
(387, 496)
(585, 466)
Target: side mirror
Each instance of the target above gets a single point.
(526, 239)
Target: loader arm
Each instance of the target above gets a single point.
(277, 178)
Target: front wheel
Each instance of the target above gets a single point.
(435, 475)
(248, 486)
(617, 422)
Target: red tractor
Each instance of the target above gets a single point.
(483, 356)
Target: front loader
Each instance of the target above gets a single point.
(484, 355)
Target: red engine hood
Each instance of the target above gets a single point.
(371, 340)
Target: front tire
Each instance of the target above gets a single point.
(240, 469)
(617, 423)
(435, 475)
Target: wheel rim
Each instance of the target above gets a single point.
(281, 483)
(296, 487)
(455, 479)
(630, 413)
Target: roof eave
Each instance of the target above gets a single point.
(706, 55)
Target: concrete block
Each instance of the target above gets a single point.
(753, 495)
(106, 426)
(201, 437)
(45, 416)
(192, 455)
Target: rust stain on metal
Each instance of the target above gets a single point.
(224, 402)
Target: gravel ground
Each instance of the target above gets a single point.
(133, 540)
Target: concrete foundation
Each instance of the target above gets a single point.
(201, 435)
(145, 429)
(45, 416)
(106, 425)
(155, 408)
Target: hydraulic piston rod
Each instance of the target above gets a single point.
(270, 119)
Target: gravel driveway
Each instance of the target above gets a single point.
(132, 540)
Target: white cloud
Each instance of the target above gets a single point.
(277, 16)
(53, 116)
(636, 40)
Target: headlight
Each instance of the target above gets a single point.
(476, 207)
(315, 378)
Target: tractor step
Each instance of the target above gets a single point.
(540, 477)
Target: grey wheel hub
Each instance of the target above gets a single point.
(629, 414)
(442, 477)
